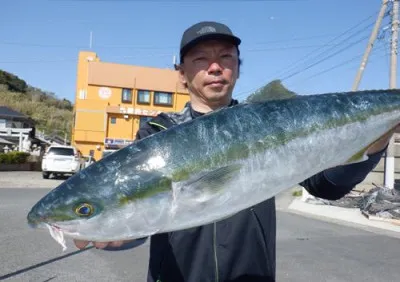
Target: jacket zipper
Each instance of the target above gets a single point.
(215, 253)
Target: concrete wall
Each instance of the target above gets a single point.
(30, 166)
(377, 175)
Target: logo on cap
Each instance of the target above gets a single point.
(206, 29)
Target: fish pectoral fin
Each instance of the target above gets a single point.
(215, 179)
(203, 187)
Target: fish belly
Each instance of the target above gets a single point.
(265, 175)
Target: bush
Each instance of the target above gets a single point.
(13, 158)
(13, 82)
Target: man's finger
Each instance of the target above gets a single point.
(100, 245)
(81, 244)
(116, 244)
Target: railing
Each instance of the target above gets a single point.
(14, 132)
(19, 133)
(50, 139)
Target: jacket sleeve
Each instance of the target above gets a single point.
(335, 183)
(144, 131)
(156, 124)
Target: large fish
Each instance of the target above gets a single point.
(214, 166)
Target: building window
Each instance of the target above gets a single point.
(113, 120)
(126, 95)
(143, 97)
(143, 120)
(82, 94)
(3, 123)
(163, 98)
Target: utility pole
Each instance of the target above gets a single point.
(371, 42)
(390, 153)
(393, 59)
(389, 166)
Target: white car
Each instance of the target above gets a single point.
(60, 160)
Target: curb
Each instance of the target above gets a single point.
(348, 216)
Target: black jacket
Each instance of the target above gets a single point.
(242, 247)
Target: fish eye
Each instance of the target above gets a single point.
(84, 210)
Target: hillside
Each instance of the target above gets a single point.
(52, 115)
(272, 91)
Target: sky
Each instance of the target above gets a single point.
(314, 46)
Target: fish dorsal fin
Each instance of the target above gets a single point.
(204, 186)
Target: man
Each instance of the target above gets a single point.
(242, 247)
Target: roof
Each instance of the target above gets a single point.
(146, 78)
(6, 111)
(4, 141)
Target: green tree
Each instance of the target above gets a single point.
(13, 82)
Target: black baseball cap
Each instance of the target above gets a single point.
(206, 30)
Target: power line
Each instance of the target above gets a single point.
(26, 44)
(324, 52)
(282, 48)
(382, 38)
(40, 61)
(284, 71)
(339, 65)
(76, 61)
(324, 59)
(30, 44)
(324, 71)
(310, 66)
(296, 39)
(384, 47)
(333, 40)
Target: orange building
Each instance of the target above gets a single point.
(113, 100)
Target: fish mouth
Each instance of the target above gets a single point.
(40, 222)
(57, 234)
(66, 228)
(35, 222)
(56, 231)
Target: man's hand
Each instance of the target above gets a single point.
(100, 245)
(382, 142)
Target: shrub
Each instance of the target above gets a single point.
(13, 157)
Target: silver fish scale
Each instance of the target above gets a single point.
(265, 137)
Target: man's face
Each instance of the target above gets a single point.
(210, 70)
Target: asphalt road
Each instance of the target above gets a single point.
(308, 250)
(27, 179)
